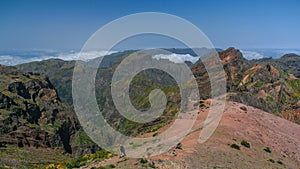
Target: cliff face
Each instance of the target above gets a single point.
(258, 83)
(32, 114)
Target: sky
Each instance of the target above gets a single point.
(65, 25)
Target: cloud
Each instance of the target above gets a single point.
(11, 60)
(267, 53)
(253, 55)
(177, 58)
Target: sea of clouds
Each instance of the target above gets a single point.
(267, 53)
(177, 58)
(15, 58)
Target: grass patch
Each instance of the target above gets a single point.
(82, 161)
(258, 84)
(105, 167)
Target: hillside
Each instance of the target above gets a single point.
(246, 80)
(289, 63)
(33, 116)
(245, 138)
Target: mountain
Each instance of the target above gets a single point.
(270, 89)
(237, 69)
(32, 115)
(266, 84)
(59, 72)
(289, 63)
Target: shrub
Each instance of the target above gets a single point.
(267, 149)
(280, 162)
(105, 167)
(143, 161)
(270, 160)
(111, 166)
(245, 144)
(235, 146)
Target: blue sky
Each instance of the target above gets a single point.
(59, 24)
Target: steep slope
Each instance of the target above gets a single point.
(257, 83)
(32, 115)
(237, 69)
(141, 86)
(59, 72)
(289, 63)
(270, 89)
(234, 65)
(245, 138)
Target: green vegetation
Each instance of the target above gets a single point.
(143, 161)
(267, 149)
(295, 85)
(245, 144)
(235, 146)
(280, 162)
(270, 160)
(105, 167)
(82, 161)
(30, 158)
(269, 99)
(258, 84)
(81, 138)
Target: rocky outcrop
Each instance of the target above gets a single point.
(234, 65)
(32, 114)
(257, 83)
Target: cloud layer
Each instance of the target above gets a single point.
(177, 58)
(267, 53)
(11, 60)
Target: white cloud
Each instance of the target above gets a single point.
(267, 53)
(11, 60)
(177, 58)
(85, 56)
(252, 55)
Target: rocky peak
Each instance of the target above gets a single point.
(234, 65)
(231, 55)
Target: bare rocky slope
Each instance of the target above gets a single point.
(246, 137)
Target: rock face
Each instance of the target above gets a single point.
(270, 89)
(32, 114)
(289, 63)
(234, 65)
(258, 83)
